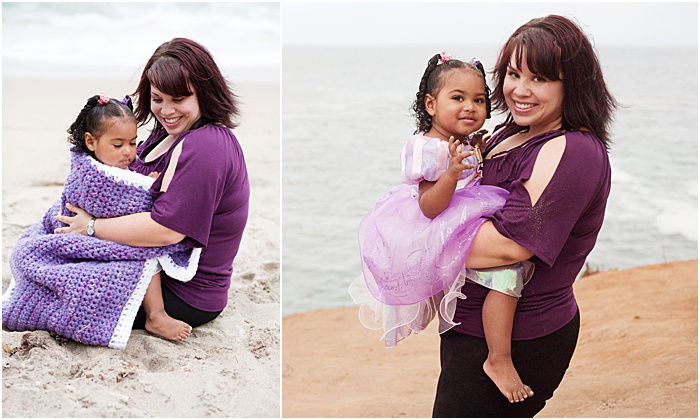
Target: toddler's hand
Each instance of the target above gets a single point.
(456, 157)
(154, 174)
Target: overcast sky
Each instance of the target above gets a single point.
(653, 24)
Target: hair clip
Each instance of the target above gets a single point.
(444, 58)
(474, 62)
(103, 100)
(126, 100)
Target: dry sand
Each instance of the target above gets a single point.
(227, 368)
(636, 355)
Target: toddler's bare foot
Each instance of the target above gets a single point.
(161, 324)
(502, 372)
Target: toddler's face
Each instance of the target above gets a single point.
(117, 144)
(459, 108)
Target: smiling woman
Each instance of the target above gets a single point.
(201, 190)
(550, 155)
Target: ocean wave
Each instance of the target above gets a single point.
(96, 37)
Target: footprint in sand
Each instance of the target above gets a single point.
(156, 364)
(271, 266)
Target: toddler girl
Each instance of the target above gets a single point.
(415, 241)
(106, 130)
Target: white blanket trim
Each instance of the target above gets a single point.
(178, 272)
(125, 175)
(122, 331)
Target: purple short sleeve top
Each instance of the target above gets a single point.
(560, 229)
(207, 201)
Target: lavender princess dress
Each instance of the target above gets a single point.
(413, 266)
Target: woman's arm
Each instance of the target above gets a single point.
(490, 247)
(435, 197)
(133, 229)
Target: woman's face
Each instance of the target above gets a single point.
(533, 100)
(176, 114)
(117, 144)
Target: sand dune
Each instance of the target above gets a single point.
(636, 356)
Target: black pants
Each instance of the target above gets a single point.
(178, 309)
(464, 390)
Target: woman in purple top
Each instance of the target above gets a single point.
(201, 191)
(551, 155)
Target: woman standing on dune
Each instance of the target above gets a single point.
(551, 155)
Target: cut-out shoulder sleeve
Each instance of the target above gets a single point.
(575, 184)
(198, 180)
(546, 163)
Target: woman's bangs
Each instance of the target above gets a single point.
(542, 54)
(169, 77)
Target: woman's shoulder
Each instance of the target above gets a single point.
(211, 145)
(211, 140)
(211, 134)
(585, 146)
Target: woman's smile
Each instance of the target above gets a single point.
(522, 107)
(171, 122)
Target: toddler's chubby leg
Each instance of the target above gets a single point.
(498, 313)
(158, 321)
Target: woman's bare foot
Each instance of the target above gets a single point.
(503, 374)
(161, 324)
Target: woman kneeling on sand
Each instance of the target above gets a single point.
(201, 192)
(551, 155)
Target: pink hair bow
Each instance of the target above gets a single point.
(444, 57)
(103, 99)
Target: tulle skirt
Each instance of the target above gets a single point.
(413, 266)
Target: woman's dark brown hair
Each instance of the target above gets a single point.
(176, 68)
(557, 49)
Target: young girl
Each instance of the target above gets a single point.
(106, 130)
(415, 241)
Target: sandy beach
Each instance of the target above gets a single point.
(636, 355)
(227, 368)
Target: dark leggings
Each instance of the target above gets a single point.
(464, 390)
(178, 309)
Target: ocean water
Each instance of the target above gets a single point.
(114, 40)
(345, 116)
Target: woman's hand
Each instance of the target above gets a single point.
(77, 223)
(454, 170)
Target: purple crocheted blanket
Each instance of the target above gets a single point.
(81, 287)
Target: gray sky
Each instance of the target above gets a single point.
(650, 24)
